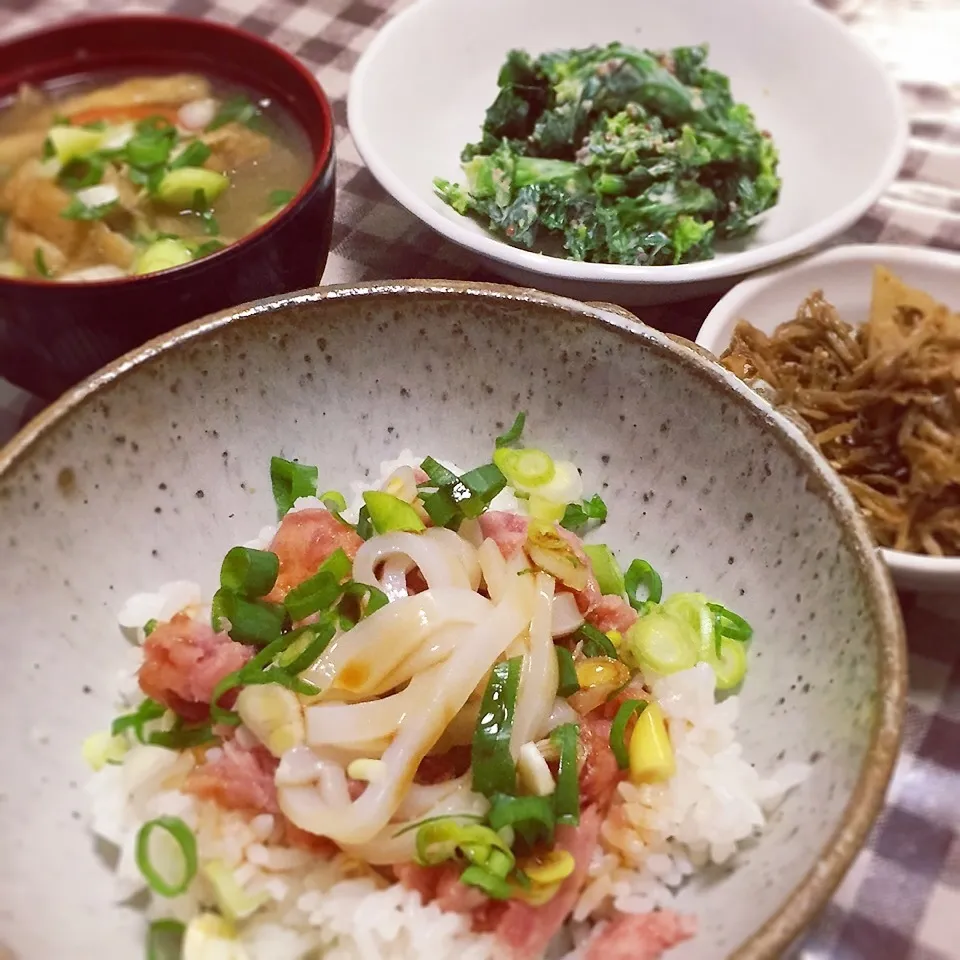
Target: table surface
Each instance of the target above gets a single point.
(901, 900)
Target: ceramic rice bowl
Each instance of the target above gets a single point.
(153, 469)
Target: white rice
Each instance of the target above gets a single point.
(656, 837)
(659, 834)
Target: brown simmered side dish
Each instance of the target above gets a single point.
(882, 402)
(138, 175)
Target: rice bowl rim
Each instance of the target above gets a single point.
(813, 891)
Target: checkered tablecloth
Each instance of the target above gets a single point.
(901, 900)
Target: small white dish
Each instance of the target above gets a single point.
(420, 91)
(845, 275)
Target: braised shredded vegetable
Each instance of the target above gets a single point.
(882, 402)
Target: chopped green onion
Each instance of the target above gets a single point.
(76, 209)
(250, 678)
(442, 509)
(211, 226)
(148, 151)
(164, 939)
(531, 817)
(148, 177)
(206, 248)
(566, 796)
(638, 574)
(540, 508)
(493, 886)
(251, 621)
(578, 515)
(457, 498)
(196, 154)
(484, 483)
(492, 764)
(568, 684)
(595, 642)
(280, 677)
(150, 626)
(218, 713)
(147, 711)
(364, 526)
(370, 599)
(618, 731)
(333, 501)
(526, 469)
(40, 262)
(270, 654)
(181, 846)
(241, 678)
(290, 481)
(181, 736)
(513, 434)
(303, 652)
(662, 643)
(238, 109)
(439, 475)
(251, 573)
(102, 748)
(272, 664)
(439, 839)
(322, 590)
(150, 146)
(730, 624)
(83, 173)
(499, 863)
(444, 816)
(729, 663)
(605, 569)
(280, 198)
(389, 513)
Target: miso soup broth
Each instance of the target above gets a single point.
(118, 176)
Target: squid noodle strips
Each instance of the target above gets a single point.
(538, 675)
(407, 680)
(447, 687)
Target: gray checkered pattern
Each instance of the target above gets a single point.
(901, 900)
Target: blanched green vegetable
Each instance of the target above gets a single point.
(619, 155)
(74, 143)
(162, 255)
(193, 188)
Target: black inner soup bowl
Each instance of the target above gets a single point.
(53, 334)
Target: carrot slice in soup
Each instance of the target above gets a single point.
(131, 111)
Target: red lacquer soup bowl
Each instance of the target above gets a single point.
(55, 333)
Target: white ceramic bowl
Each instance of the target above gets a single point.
(845, 274)
(420, 91)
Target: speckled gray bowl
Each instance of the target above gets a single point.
(153, 469)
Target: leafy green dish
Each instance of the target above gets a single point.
(617, 155)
